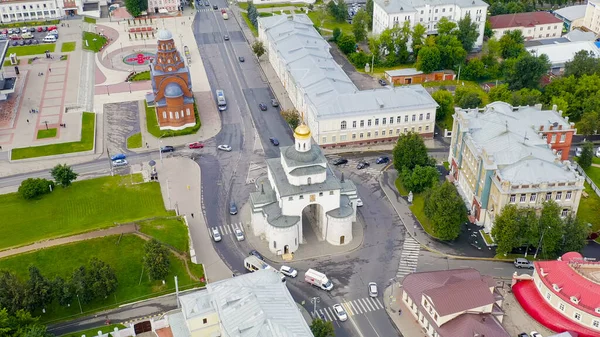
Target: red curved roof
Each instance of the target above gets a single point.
(534, 304)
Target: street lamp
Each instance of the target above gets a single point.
(46, 122)
(540, 243)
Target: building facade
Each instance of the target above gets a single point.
(393, 13)
(561, 53)
(300, 185)
(337, 112)
(171, 86)
(454, 303)
(572, 16)
(502, 155)
(41, 10)
(413, 76)
(591, 20)
(533, 25)
(163, 6)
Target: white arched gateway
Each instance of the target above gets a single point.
(300, 199)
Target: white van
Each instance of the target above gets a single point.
(49, 38)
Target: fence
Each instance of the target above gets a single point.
(588, 179)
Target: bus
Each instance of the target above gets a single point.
(221, 102)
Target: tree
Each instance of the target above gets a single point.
(527, 71)
(410, 151)
(258, 48)
(136, 7)
(369, 7)
(575, 234)
(338, 9)
(420, 178)
(500, 93)
(512, 44)
(468, 98)
(156, 260)
(551, 226)
(468, 32)
(33, 188)
(359, 25)
(12, 296)
(445, 26)
(429, 59)
(63, 175)
(452, 53)
(587, 153)
(417, 38)
(583, 63)
(346, 43)
(487, 30)
(252, 14)
(590, 123)
(446, 211)
(80, 285)
(102, 280)
(337, 32)
(445, 100)
(507, 229)
(21, 324)
(62, 291)
(320, 328)
(474, 70)
(38, 290)
(291, 117)
(526, 96)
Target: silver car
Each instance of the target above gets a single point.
(119, 162)
(216, 235)
(239, 235)
(373, 289)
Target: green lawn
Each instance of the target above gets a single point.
(84, 206)
(330, 23)
(153, 129)
(30, 24)
(85, 144)
(134, 141)
(488, 239)
(94, 331)
(594, 173)
(32, 50)
(595, 160)
(418, 209)
(244, 5)
(50, 133)
(91, 44)
(249, 24)
(89, 20)
(142, 76)
(64, 57)
(589, 208)
(68, 47)
(400, 187)
(123, 253)
(7, 62)
(170, 231)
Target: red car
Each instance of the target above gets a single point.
(39, 29)
(51, 28)
(15, 37)
(5, 31)
(196, 145)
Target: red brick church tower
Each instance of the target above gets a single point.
(171, 86)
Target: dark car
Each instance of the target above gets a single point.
(241, 58)
(14, 43)
(118, 156)
(262, 106)
(383, 82)
(28, 42)
(32, 29)
(45, 29)
(167, 148)
(233, 208)
(362, 165)
(340, 161)
(523, 334)
(274, 141)
(215, 7)
(274, 102)
(382, 160)
(257, 254)
(21, 43)
(34, 42)
(206, 3)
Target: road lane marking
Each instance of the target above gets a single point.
(332, 314)
(348, 308)
(368, 304)
(375, 304)
(356, 309)
(377, 299)
(361, 306)
(327, 313)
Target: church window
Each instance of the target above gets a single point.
(309, 180)
(368, 134)
(420, 128)
(354, 124)
(343, 125)
(383, 133)
(333, 139)
(170, 68)
(376, 121)
(170, 114)
(176, 114)
(354, 136)
(169, 61)
(291, 199)
(304, 146)
(383, 120)
(330, 192)
(368, 122)
(342, 138)
(362, 123)
(320, 194)
(187, 111)
(324, 139)
(274, 244)
(362, 135)
(301, 197)
(376, 133)
(164, 115)
(398, 119)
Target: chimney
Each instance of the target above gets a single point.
(560, 112)
(572, 125)
(551, 127)
(567, 119)
(560, 126)
(538, 106)
(541, 128)
(554, 107)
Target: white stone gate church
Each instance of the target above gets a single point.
(301, 179)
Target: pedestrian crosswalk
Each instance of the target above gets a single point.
(204, 9)
(227, 229)
(408, 258)
(355, 307)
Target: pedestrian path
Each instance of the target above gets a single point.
(408, 258)
(354, 307)
(227, 229)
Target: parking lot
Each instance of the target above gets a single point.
(28, 35)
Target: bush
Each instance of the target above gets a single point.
(33, 188)
(360, 59)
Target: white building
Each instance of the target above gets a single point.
(390, 13)
(591, 20)
(533, 25)
(40, 10)
(163, 6)
(572, 16)
(499, 155)
(337, 112)
(300, 185)
(561, 53)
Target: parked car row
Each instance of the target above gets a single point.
(18, 34)
(363, 163)
(579, 151)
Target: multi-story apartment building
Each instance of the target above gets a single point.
(38, 10)
(163, 6)
(591, 20)
(502, 155)
(533, 25)
(337, 112)
(391, 13)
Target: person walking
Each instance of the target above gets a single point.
(192, 215)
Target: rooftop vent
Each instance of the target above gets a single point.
(379, 102)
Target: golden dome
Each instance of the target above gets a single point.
(302, 132)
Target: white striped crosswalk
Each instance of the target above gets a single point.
(227, 229)
(354, 307)
(408, 258)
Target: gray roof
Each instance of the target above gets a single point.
(262, 198)
(329, 91)
(345, 210)
(579, 35)
(294, 158)
(286, 189)
(571, 13)
(543, 42)
(3, 50)
(307, 170)
(397, 6)
(559, 54)
(177, 324)
(403, 72)
(254, 305)
(278, 220)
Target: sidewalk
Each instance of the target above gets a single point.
(180, 183)
(461, 247)
(405, 323)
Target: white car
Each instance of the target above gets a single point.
(239, 235)
(373, 289)
(340, 312)
(578, 152)
(359, 202)
(216, 235)
(224, 147)
(119, 162)
(288, 271)
(535, 334)
(598, 152)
